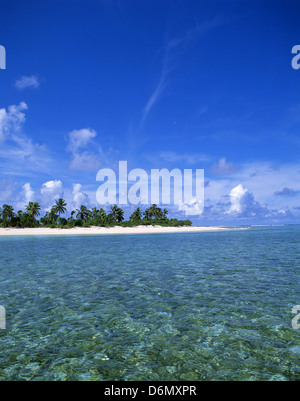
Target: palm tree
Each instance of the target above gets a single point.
(60, 206)
(110, 219)
(165, 213)
(94, 212)
(102, 214)
(150, 212)
(33, 208)
(7, 213)
(83, 213)
(113, 212)
(19, 216)
(120, 215)
(158, 213)
(136, 215)
(51, 217)
(72, 214)
(117, 213)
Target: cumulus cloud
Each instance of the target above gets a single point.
(222, 167)
(243, 203)
(193, 207)
(83, 159)
(50, 191)
(28, 193)
(27, 82)
(79, 197)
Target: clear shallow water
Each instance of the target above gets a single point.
(193, 306)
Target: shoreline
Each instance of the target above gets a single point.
(103, 230)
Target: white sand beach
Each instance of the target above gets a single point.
(103, 230)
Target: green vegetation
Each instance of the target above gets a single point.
(83, 217)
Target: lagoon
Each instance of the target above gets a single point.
(170, 306)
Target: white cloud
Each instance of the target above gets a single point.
(243, 203)
(17, 151)
(28, 193)
(240, 199)
(79, 197)
(11, 120)
(27, 82)
(3, 123)
(174, 48)
(84, 159)
(223, 167)
(79, 139)
(191, 208)
(51, 190)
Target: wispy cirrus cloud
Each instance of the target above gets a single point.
(159, 87)
(172, 50)
(175, 157)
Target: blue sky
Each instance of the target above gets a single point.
(162, 84)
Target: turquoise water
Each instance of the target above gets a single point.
(190, 306)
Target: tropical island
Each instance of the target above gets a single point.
(83, 217)
(96, 221)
